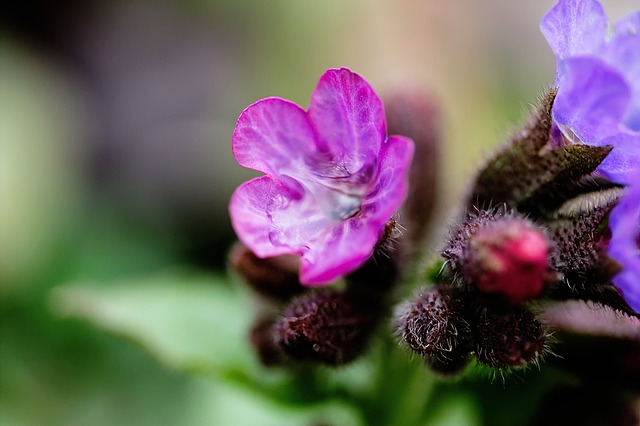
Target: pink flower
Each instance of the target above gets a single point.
(332, 181)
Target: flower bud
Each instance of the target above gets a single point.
(263, 340)
(326, 326)
(509, 257)
(378, 276)
(579, 231)
(274, 277)
(508, 339)
(503, 255)
(433, 327)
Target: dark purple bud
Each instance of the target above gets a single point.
(456, 247)
(579, 231)
(326, 326)
(432, 326)
(262, 337)
(274, 277)
(510, 338)
(382, 271)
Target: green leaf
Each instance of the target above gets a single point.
(216, 403)
(187, 322)
(199, 324)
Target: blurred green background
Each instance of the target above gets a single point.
(116, 168)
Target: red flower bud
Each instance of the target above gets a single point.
(509, 257)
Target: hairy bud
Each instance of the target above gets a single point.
(501, 179)
(378, 276)
(509, 338)
(433, 327)
(501, 254)
(274, 277)
(579, 230)
(327, 327)
(263, 340)
(509, 257)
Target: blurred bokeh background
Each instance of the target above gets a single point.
(115, 161)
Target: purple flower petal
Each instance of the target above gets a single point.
(624, 52)
(598, 101)
(349, 119)
(592, 99)
(624, 222)
(627, 25)
(273, 136)
(623, 159)
(598, 79)
(574, 27)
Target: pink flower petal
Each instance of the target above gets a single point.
(252, 209)
(271, 218)
(274, 136)
(342, 250)
(350, 243)
(349, 119)
(395, 160)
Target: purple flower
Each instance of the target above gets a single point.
(598, 80)
(333, 178)
(598, 101)
(624, 246)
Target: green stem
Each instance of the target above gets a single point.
(401, 390)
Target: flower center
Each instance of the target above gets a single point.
(345, 206)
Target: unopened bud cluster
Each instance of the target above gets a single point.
(446, 325)
(533, 230)
(330, 326)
